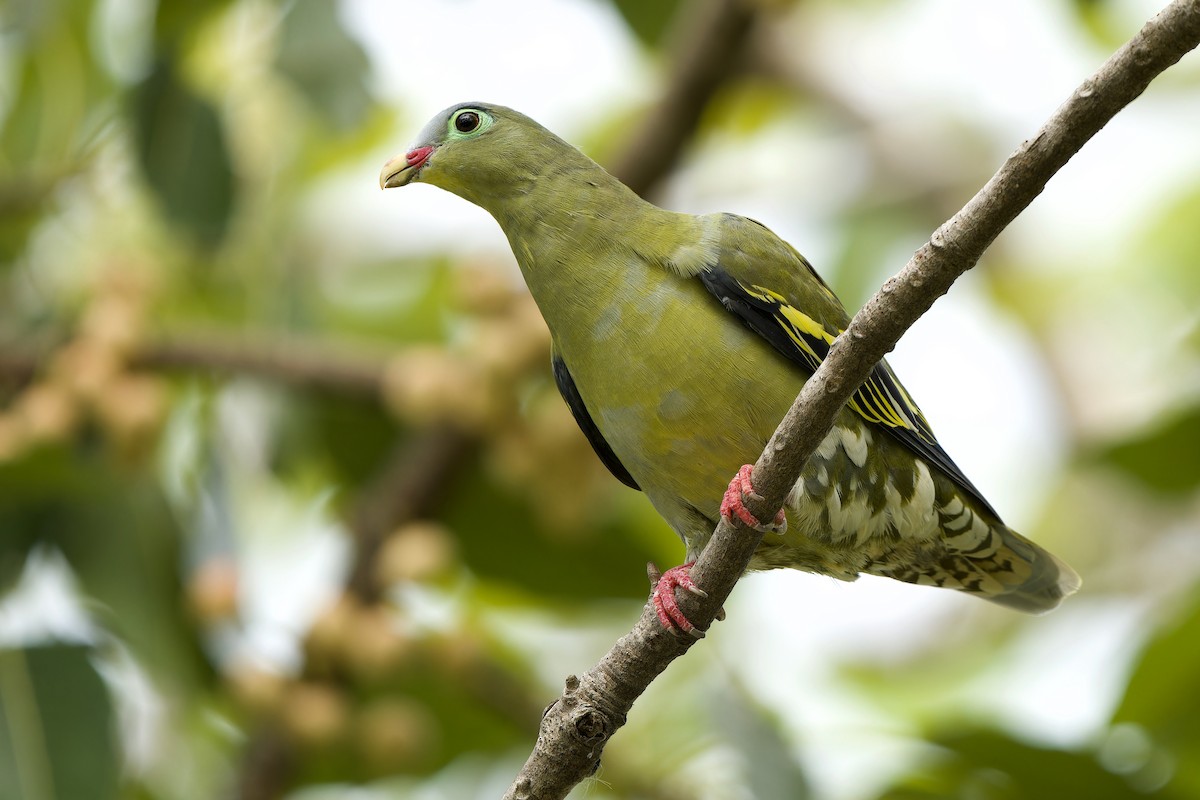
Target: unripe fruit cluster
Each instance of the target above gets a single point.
(88, 379)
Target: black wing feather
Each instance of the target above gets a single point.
(570, 393)
(880, 399)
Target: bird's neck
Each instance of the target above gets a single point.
(577, 230)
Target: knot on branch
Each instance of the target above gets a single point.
(1143, 55)
(592, 722)
(938, 241)
(591, 726)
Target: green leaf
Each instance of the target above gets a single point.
(1161, 697)
(328, 66)
(990, 765)
(113, 526)
(1162, 458)
(55, 99)
(51, 85)
(350, 435)
(182, 150)
(648, 19)
(176, 23)
(56, 726)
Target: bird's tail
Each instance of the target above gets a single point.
(999, 565)
(1026, 577)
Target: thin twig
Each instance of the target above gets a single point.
(592, 707)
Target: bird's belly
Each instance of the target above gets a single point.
(689, 394)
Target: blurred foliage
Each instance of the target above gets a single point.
(1150, 748)
(1155, 740)
(183, 154)
(326, 64)
(57, 736)
(323, 517)
(648, 20)
(1164, 458)
(988, 764)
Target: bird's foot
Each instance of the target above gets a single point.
(732, 504)
(663, 597)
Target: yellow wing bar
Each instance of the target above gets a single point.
(881, 399)
(805, 341)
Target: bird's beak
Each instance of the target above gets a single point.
(403, 169)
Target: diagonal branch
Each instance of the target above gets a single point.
(576, 727)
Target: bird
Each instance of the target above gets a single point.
(679, 342)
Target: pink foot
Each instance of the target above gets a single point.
(663, 596)
(732, 505)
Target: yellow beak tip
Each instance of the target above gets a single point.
(394, 173)
(403, 169)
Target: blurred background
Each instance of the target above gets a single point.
(290, 507)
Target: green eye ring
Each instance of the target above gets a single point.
(468, 122)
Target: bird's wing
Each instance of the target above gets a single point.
(776, 293)
(570, 393)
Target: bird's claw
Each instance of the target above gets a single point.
(665, 583)
(663, 597)
(733, 504)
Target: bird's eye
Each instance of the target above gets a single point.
(466, 122)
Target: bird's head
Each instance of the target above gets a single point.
(479, 151)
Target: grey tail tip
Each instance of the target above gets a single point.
(1051, 583)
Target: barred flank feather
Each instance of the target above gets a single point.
(1015, 572)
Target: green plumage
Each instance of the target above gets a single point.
(680, 341)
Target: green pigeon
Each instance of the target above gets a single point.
(679, 342)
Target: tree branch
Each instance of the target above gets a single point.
(576, 727)
(707, 45)
(306, 365)
(291, 361)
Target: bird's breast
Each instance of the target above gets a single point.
(682, 392)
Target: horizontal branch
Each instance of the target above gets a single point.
(292, 361)
(298, 363)
(593, 706)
